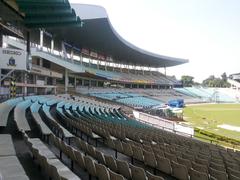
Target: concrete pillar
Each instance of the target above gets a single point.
(165, 70)
(1, 38)
(71, 54)
(25, 83)
(75, 81)
(97, 83)
(81, 59)
(35, 82)
(97, 64)
(66, 81)
(0, 77)
(41, 62)
(82, 82)
(52, 45)
(41, 39)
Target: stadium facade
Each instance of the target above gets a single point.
(63, 48)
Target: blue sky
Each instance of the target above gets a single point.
(207, 32)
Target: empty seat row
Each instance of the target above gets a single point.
(49, 163)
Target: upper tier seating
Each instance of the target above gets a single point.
(154, 78)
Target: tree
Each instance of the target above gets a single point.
(212, 81)
(224, 77)
(187, 81)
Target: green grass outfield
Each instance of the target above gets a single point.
(209, 116)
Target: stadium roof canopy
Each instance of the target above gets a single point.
(40, 13)
(84, 26)
(98, 34)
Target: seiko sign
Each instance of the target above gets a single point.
(11, 52)
(13, 59)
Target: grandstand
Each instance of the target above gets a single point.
(49, 50)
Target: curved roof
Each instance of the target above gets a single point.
(106, 39)
(98, 34)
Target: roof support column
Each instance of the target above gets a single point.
(75, 82)
(135, 69)
(97, 64)
(165, 70)
(25, 77)
(41, 39)
(1, 44)
(52, 45)
(72, 54)
(1, 38)
(81, 58)
(66, 81)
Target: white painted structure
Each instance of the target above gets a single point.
(164, 124)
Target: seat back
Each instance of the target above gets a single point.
(90, 165)
(220, 175)
(179, 171)
(102, 172)
(171, 157)
(127, 149)
(219, 167)
(100, 157)
(233, 172)
(232, 177)
(123, 168)
(200, 167)
(150, 176)
(92, 151)
(138, 173)
(196, 175)
(115, 176)
(163, 164)
(118, 145)
(111, 163)
(138, 153)
(149, 159)
(80, 159)
(184, 162)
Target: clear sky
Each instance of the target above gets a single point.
(207, 32)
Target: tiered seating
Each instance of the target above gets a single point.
(130, 99)
(5, 109)
(158, 151)
(154, 78)
(207, 94)
(140, 102)
(51, 165)
(20, 115)
(58, 128)
(176, 156)
(34, 109)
